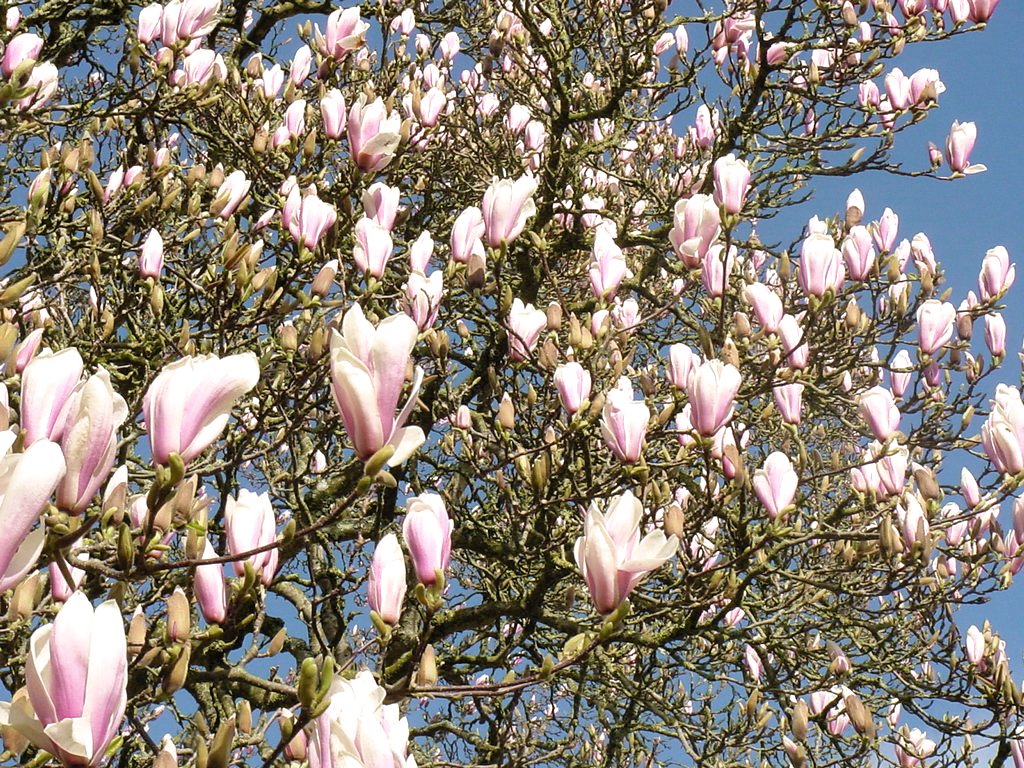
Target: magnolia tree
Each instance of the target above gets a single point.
(408, 384)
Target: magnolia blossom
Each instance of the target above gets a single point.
(573, 382)
(210, 588)
(385, 583)
(821, 265)
(913, 520)
(374, 134)
(151, 256)
(525, 323)
(333, 112)
(249, 524)
(21, 48)
(94, 412)
(346, 32)
(767, 305)
(309, 217)
(913, 747)
(367, 375)
(46, 384)
(467, 234)
(230, 195)
(712, 390)
(878, 408)
(696, 223)
(997, 273)
(359, 729)
(607, 264)
(624, 422)
(612, 557)
(788, 399)
(1002, 434)
(935, 321)
(506, 206)
(76, 675)
(732, 180)
(681, 360)
(421, 297)
(776, 483)
(428, 534)
(959, 146)
(373, 247)
(26, 482)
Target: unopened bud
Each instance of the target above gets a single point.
(426, 674)
(179, 616)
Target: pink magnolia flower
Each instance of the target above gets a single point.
(373, 134)
(913, 520)
(187, 406)
(466, 235)
(421, 251)
(611, 555)
(151, 256)
(717, 267)
(997, 273)
(312, 220)
(878, 408)
(696, 223)
(573, 382)
(506, 206)
(899, 375)
(249, 523)
(624, 423)
(776, 483)
(332, 110)
(60, 588)
(26, 481)
(525, 323)
(232, 192)
(913, 747)
(935, 320)
(373, 247)
(42, 81)
(46, 384)
(885, 230)
(210, 587)
(959, 146)
(299, 69)
(712, 390)
(980, 11)
(421, 297)
(150, 22)
(858, 253)
(789, 400)
(92, 415)
(380, 203)
(1002, 434)
(20, 49)
(76, 675)
(385, 583)
(767, 305)
(346, 32)
(821, 266)
(681, 360)
(367, 375)
(732, 180)
(428, 534)
(607, 264)
(358, 729)
(995, 335)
